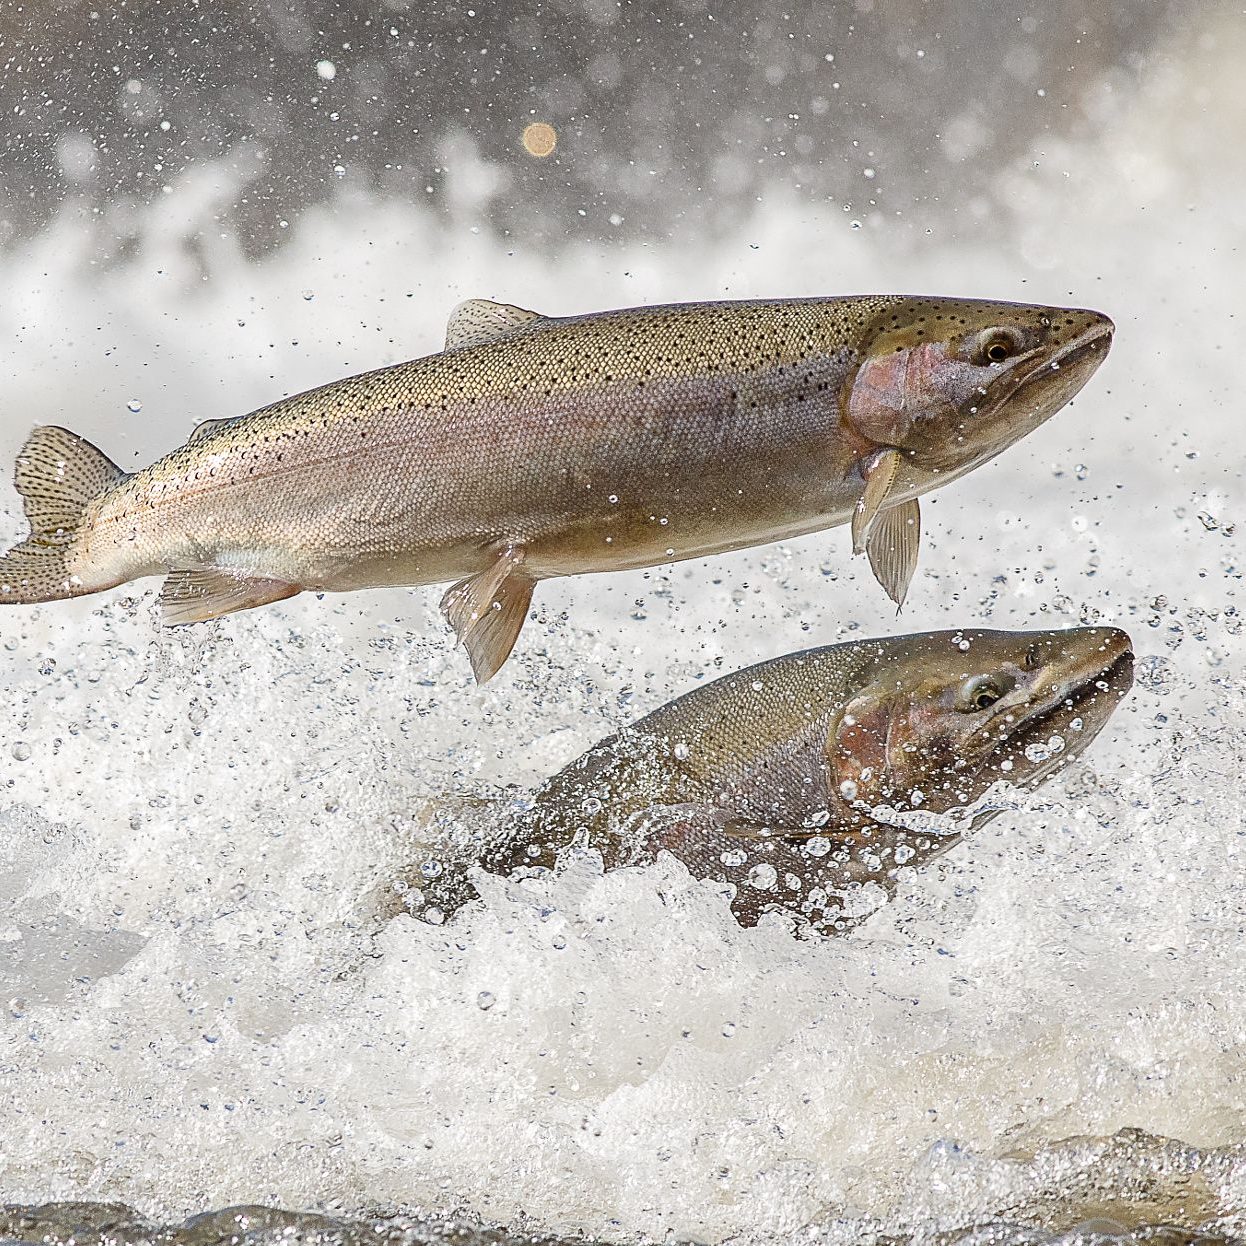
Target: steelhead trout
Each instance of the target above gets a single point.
(769, 779)
(540, 446)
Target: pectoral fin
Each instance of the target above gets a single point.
(196, 596)
(892, 546)
(880, 476)
(675, 826)
(488, 610)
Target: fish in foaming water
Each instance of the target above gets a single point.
(769, 779)
(538, 446)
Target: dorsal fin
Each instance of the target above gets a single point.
(207, 428)
(481, 320)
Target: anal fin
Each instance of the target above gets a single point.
(892, 546)
(487, 611)
(196, 596)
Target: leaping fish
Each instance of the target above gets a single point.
(773, 780)
(540, 446)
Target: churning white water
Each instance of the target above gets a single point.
(198, 829)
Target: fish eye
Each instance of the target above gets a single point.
(997, 346)
(978, 694)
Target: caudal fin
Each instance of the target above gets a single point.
(58, 476)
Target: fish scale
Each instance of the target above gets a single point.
(535, 447)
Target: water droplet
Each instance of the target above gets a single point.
(763, 877)
(20, 751)
(327, 70)
(308, 295)
(729, 1029)
(485, 1000)
(681, 751)
(1155, 674)
(134, 406)
(1040, 752)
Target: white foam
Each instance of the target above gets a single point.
(205, 1010)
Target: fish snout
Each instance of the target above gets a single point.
(1119, 651)
(1079, 335)
(1101, 659)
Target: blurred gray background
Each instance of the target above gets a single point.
(664, 110)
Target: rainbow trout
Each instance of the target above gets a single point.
(772, 780)
(540, 446)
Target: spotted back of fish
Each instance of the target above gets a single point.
(553, 355)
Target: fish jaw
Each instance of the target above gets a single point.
(1025, 402)
(1066, 711)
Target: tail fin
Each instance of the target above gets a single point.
(58, 475)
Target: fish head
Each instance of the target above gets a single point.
(952, 382)
(943, 716)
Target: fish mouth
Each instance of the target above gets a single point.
(1039, 391)
(1057, 728)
